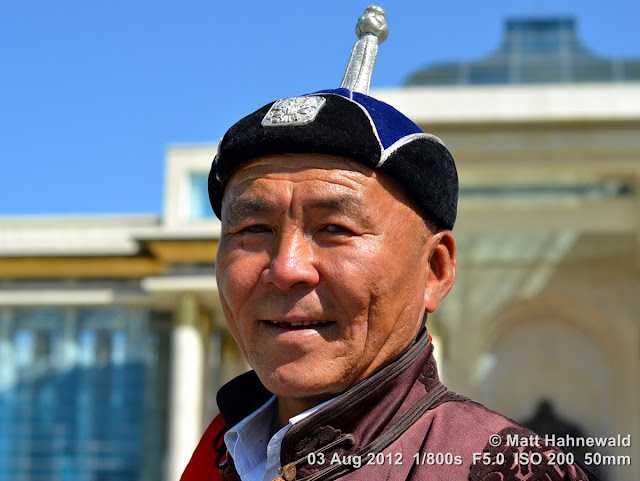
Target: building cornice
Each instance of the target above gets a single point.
(507, 104)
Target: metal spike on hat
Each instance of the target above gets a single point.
(372, 30)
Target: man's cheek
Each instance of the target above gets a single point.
(235, 277)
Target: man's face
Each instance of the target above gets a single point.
(324, 271)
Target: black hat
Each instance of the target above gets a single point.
(345, 123)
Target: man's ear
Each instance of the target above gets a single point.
(442, 268)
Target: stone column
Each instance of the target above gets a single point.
(185, 397)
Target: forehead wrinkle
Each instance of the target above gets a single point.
(338, 203)
(292, 163)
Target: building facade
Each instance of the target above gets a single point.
(111, 337)
(542, 324)
(113, 343)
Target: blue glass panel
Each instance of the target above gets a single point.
(75, 396)
(200, 207)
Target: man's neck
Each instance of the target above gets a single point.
(291, 407)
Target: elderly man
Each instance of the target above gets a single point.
(336, 242)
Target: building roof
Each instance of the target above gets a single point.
(539, 50)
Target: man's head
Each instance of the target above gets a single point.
(335, 241)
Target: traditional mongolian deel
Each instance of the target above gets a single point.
(399, 424)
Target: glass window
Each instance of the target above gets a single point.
(200, 207)
(79, 389)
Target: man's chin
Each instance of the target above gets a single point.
(300, 387)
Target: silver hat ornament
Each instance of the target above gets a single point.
(372, 30)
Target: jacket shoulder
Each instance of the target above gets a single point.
(497, 447)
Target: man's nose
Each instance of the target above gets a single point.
(292, 263)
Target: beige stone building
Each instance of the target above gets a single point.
(112, 326)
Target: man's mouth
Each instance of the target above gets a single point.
(297, 324)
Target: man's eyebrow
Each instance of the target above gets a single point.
(342, 203)
(242, 208)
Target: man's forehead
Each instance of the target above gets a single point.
(318, 187)
(320, 168)
(336, 182)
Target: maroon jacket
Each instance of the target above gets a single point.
(399, 424)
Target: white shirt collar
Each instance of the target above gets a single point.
(254, 447)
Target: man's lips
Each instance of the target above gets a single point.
(297, 324)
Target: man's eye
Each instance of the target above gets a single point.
(337, 229)
(256, 229)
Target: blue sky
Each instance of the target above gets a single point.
(93, 92)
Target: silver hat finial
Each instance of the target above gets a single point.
(372, 29)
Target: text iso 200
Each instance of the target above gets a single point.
(439, 459)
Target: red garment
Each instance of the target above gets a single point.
(202, 466)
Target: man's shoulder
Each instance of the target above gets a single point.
(471, 417)
(495, 445)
